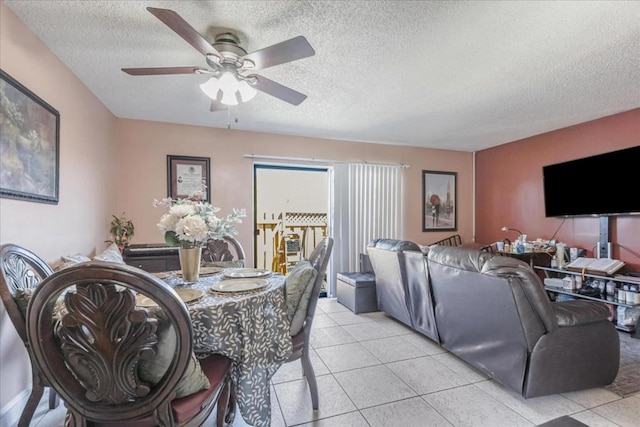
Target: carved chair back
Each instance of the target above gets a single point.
(223, 251)
(89, 340)
(21, 272)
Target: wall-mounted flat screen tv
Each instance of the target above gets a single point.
(606, 184)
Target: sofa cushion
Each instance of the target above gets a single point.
(460, 257)
(580, 312)
(394, 245)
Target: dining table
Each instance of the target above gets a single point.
(241, 314)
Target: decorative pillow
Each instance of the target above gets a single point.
(154, 369)
(22, 297)
(71, 260)
(111, 254)
(298, 287)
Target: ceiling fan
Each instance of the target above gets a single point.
(230, 64)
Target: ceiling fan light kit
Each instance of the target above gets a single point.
(228, 85)
(227, 89)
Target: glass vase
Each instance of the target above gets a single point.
(190, 263)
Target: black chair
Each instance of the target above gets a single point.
(91, 341)
(21, 271)
(319, 259)
(223, 252)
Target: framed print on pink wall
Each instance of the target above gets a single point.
(439, 201)
(185, 174)
(29, 144)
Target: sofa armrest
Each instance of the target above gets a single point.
(580, 312)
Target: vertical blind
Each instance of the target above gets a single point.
(367, 205)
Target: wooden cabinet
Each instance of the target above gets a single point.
(152, 257)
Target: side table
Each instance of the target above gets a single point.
(357, 291)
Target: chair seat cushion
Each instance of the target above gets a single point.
(215, 368)
(298, 341)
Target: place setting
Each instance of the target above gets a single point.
(204, 272)
(241, 280)
(186, 294)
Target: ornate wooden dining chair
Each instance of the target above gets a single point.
(225, 252)
(114, 363)
(21, 271)
(318, 259)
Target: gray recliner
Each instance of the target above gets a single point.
(402, 284)
(493, 312)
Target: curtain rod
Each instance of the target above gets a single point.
(314, 160)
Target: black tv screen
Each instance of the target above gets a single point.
(606, 184)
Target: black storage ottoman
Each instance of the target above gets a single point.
(357, 292)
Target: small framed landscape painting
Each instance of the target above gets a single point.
(29, 144)
(439, 201)
(186, 175)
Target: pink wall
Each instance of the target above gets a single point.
(143, 148)
(509, 186)
(79, 222)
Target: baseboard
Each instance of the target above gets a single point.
(10, 413)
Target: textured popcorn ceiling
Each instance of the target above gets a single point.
(454, 75)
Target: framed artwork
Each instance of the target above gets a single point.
(439, 201)
(186, 175)
(29, 144)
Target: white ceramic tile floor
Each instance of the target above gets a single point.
(371, 387)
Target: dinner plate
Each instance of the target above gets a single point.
(245, 273)
(204, 271)
(164, 274)
(240, 285)
(187, 295)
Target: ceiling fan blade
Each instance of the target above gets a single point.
(281, 53)
(157, 71)
(277, 90)
(184, 30)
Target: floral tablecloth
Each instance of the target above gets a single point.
(252, 329)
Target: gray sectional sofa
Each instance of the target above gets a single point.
(493, 312)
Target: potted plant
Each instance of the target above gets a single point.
(121, 230)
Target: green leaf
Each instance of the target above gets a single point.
(171, 238)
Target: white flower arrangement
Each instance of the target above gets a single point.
(190, 222)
